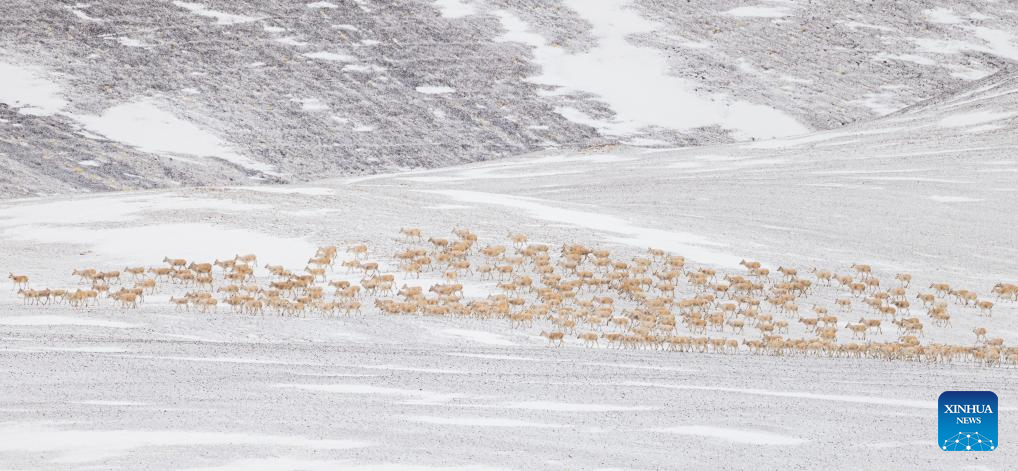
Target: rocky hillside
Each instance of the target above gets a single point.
(157, 93)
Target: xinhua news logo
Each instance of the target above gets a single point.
(968, 421)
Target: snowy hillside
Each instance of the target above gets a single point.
(927, 191)
(505, 235)
(158, 93)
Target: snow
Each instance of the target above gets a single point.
(53, 320)
(434, 89)
(29, 91)
(573, 407)
(856, 25)
(995, 41)
(968, 73)
(363, 68)
(486, 338)
(83, 446)
(914, 58)
(292, 41)
(419, 396)
(220, 17)
(109, 208)
(331, 56)
(440, 371)
(817, 137)
(112, 403)
(942, 16)
(479, 422)
(322, 5)
(975, 117)
(1001, 43)
(96, 349)
(758, 12)
(637, 86)
(289, 190)
(693, 247)
(312, 105)
(955, 199)
(89, 163)
(482, 174)
(983, 128)
(149, 128)
(194, 241)
(129, 42)
(455, 8)
(734, 435)
(82, 15)
(871, 400)
(881, 103)
(296, 464)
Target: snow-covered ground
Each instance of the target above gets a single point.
(810, 135)
(925, 191)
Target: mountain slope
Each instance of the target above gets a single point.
(294, 92)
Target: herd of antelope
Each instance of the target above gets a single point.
(654, 301)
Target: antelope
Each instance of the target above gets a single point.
(789, 273)
(412, 234)
(84, 274)
(872, 324)
(864, 271)
(250, 259)
(942, 289)
(180, 302)
(750, 265)
(359, 251)
(20, 281)
(175, 262)
(858, 330)
(554, 337)
(980, 334)
(135, 272)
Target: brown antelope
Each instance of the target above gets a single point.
(980, 334)
(175, 262)
(359, 251)
(135, 272)
(250, 259)
(554, 337)
(985, 307)
(412, 234)
(864, 271)
(20, 281)
(872, 324)
(942, 289)
(858, 330)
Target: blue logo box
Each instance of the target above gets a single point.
(967, 421)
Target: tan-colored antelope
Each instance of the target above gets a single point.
(556, 338)
(19, 281)
(412, 234)
(175, 262)
(250, 259)
(980, 334)
(858, 330)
